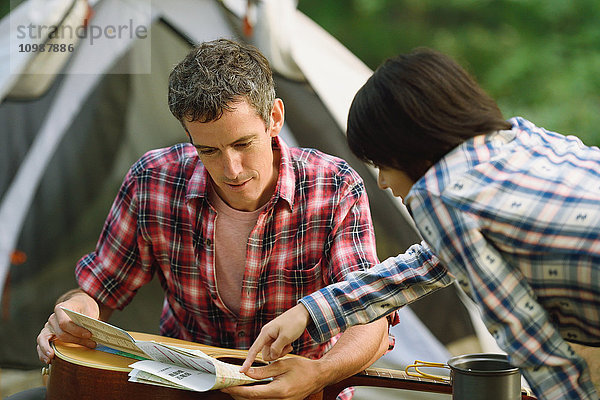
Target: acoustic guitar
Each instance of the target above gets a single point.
(86, 374)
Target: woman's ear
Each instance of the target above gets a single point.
(419, 169)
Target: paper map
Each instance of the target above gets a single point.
(163, 364)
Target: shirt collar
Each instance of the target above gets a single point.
(463, 153)
(286, 182)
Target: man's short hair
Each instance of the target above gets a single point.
(217, 74)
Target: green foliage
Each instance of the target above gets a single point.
(539, 59)
(7, 6)
(4, 9)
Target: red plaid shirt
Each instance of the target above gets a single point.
(314, 231)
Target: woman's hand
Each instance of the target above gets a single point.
(276, 337)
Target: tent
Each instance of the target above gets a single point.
(73, 121)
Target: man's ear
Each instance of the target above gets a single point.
(187, 133)
(277, 117)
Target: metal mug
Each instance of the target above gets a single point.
(477, 376)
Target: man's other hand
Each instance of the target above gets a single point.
(59, 325)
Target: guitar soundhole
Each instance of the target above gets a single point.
(240, 361)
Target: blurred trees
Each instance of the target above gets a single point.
(540, 59)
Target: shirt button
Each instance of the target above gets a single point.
(213, 296)
(208, 242)
(241, 333)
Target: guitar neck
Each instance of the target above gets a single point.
(399, 375)
(395, 379)
(387, 378)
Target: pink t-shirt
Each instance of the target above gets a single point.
(232, 230)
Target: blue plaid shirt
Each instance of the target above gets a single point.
(514, 216)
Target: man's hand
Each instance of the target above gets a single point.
(276, 337)
(296, 378)
(60, 326)
(293, 378)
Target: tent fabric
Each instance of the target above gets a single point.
(66, 152)
(80, 179)
(73, 91)
(42, 68)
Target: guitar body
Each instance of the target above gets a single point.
(86, 374)
(73, 381)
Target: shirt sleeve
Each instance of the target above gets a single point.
(352, 238)
(114, 271)
(368, 295)
(510, 311)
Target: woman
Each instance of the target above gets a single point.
(509, 210)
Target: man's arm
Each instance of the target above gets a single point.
(60, 326)
(357, 348)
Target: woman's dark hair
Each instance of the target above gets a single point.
(416, 108)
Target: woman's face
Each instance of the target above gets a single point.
(398, 181)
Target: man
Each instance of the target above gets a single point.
(508, 209)
(236, 225)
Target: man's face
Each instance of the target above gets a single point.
(236, 151)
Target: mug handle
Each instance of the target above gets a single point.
(427, 364)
